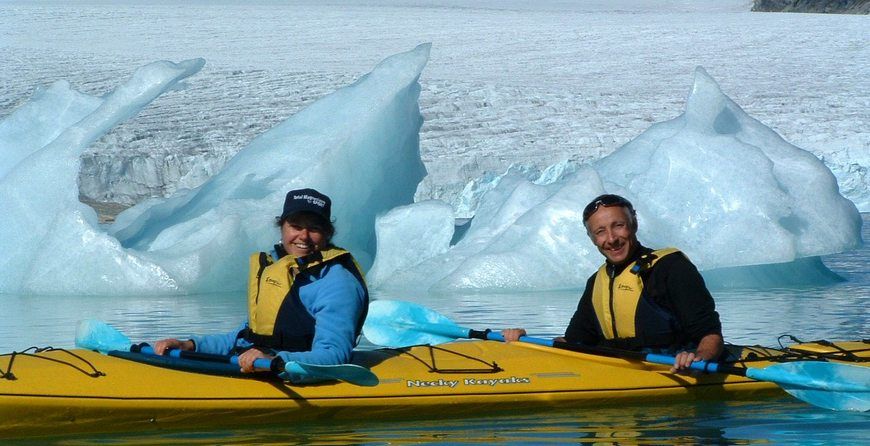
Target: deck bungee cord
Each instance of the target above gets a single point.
(786, 353)
(491, 367)
(36, 354)
(839, 353)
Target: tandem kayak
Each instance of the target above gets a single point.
(62, 392)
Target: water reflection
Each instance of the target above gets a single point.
(772, 422)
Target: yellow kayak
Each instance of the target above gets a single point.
(62, 392)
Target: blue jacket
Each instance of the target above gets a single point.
(335, 299)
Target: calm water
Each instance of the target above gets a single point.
(771, 422)
(749, 316)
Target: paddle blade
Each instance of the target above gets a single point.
(825, 384)
(350, 373)
(394, 323)
(98, 335)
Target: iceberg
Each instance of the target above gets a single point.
(745, 205)
(46, 232)
(714, 182)
(430, 224)
(360, 145)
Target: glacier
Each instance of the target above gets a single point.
(714, 181)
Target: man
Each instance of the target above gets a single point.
(641, 298)
(307, 299)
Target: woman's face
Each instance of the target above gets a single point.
(299, 240)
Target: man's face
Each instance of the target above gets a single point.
(299, 241)
(613, 232)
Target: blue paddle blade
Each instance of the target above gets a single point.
(394, 323)
(830, 385)
(98, 335)
(350, 373)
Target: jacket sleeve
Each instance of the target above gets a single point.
(336, 300)
(217, 344)
(689, 298)
(583, 328)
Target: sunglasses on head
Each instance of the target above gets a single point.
(606, 200)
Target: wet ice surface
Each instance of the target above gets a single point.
(503, 85)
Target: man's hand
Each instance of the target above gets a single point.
(708, 349)
(512, 334)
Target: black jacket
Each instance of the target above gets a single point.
(673, 284)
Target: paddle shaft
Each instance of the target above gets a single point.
(97, 335)
(350, 373)
(704, 366)
(770, 374)
(276, 364)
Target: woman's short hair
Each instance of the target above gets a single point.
(308, 220)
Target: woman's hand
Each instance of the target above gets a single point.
(246, 360)
(160, 347)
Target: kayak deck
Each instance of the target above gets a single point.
(59, 392)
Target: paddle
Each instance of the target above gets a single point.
(825, 384)
(97, 335)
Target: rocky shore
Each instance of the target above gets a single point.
(813, 6)
(105, 211)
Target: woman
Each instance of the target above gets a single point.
(307, 299)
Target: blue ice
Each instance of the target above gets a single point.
(360, 145)
(713, 181)
(746, 206)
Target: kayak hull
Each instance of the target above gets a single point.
(55, 392)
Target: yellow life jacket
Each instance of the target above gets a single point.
(271, 293)
(616, 299)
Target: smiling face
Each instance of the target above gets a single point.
(614, 232)
(299, 239)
